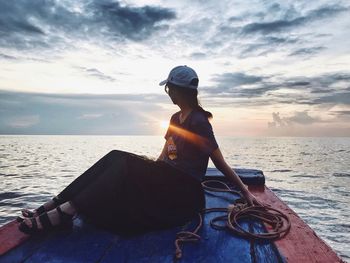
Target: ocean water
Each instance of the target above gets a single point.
(312, 175)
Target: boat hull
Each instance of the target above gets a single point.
(86, 243)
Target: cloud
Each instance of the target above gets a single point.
(296, 83)
(28, 24)
(238, 87)
(90, 116)
(299, 117)
(271, 27)
(335, 99)
(231, 83)
(37, 113)
(322, 91)
(21, 122)
(289, 28)
(236, 79)
(343, 112)
(92, 72)
(10, 23)
(135, 23)
(341, 115)
(277, 121)
(199, 55)
(302, 117)
(93, 39)
(266, 44)
(4, 56)
(301, 123)
(285, 23)
(197, 28)
(307, 51)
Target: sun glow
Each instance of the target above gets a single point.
(164, 124)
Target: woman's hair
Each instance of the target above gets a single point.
(190, 96)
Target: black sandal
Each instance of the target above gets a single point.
(27, 229)
(27, 213)
(19, 219)
(41, 209)
(65, 221)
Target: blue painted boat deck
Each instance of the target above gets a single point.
(85, 243)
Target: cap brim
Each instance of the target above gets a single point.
(162, 83)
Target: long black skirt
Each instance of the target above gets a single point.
(130, 194)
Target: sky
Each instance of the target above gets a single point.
(266, 68)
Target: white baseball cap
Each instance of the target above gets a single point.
(182, 76)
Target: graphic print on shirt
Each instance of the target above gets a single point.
(172, 152)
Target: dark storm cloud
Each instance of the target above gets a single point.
(9, 22)
(286, 23)
(35, 113)
(44, 23)
(135, 23)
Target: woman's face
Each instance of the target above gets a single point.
(172, 94)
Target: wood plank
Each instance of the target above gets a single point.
(302, 243)
(82, 243)
(264, 251)
(23, 246)
(156, 246)
(248, 176)
(87, 244)
(10, 237)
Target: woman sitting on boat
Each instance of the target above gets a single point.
(127, 193)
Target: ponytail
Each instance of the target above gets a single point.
(207, 114)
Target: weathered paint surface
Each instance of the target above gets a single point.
(10, 237)
(301, 244)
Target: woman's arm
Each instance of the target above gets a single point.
(223, 167)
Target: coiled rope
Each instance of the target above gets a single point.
(277, 224)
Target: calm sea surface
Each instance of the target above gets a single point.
(312, 175)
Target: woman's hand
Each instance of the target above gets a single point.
(251, 199)
(230, 174)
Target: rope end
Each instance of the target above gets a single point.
(178, 254)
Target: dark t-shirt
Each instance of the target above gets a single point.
(189, 144)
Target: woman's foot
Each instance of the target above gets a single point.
(49, 205)
(59, 217)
